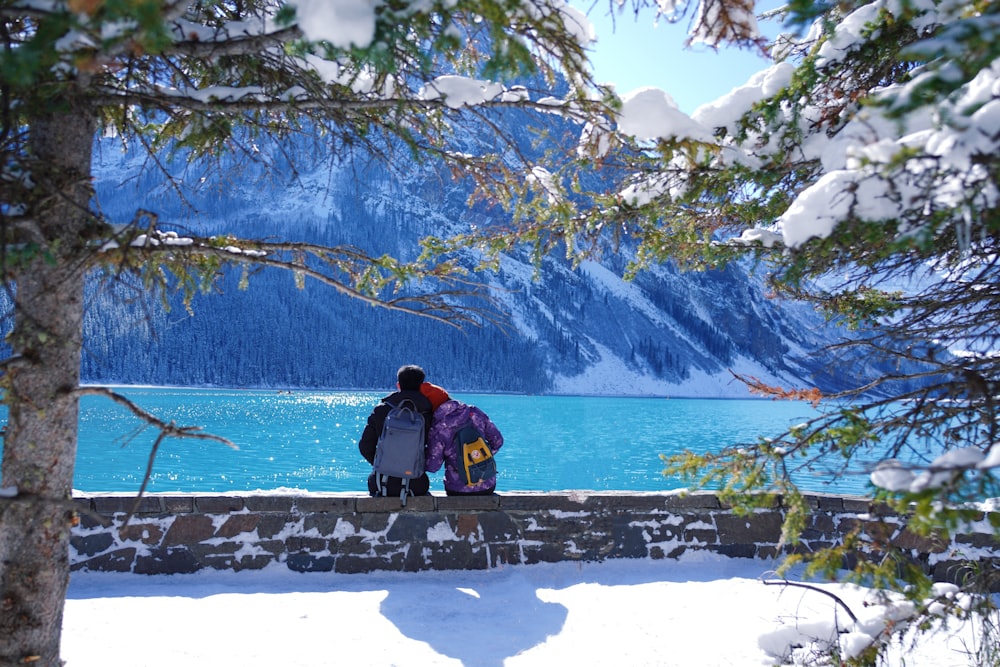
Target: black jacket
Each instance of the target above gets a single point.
(419, 486)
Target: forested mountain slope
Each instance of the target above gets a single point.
(572, 330)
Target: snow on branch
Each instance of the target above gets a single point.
(447, 92)
(199, 41)
(817, 634)
(896, 476)
(348, 270)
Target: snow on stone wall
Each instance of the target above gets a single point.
(311, 532)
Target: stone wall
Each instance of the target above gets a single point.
(350, 534)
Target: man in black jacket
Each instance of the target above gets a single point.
(408, 381)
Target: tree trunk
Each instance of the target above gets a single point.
(41, 380)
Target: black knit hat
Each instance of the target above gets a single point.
(410, 377)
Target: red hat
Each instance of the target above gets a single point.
(435, 394)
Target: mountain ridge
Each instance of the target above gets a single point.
(573, 329)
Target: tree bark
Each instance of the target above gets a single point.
(40, 440)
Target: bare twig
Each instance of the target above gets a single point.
(167, 429)
(145, 477)
(815, 589)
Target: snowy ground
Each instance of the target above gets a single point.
(702, 611)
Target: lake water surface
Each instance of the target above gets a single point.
(308, 440)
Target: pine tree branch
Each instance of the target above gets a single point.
(247, 44)
(364, 277)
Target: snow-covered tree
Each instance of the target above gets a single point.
(221, 82)
(861, 171)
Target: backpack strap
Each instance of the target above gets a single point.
(404, 488)
(404, 404)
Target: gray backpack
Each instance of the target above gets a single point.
(400, 449)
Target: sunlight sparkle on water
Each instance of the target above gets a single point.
(307, 440)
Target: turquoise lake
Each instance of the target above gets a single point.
(307, 440)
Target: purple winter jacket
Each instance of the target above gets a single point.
(448, 418)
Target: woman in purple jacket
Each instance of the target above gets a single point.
(450, 416)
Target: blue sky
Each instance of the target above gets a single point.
(635, 52)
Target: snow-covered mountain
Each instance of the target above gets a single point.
(570, 330)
